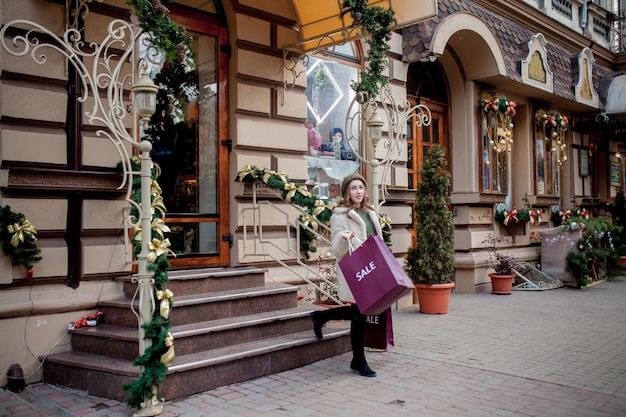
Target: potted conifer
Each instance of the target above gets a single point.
(430, 263)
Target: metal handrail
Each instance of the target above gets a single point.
(257, 248)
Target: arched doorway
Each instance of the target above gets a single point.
(426, 84)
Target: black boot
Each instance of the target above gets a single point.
(360, 366)
(318, 323)
(348, 312)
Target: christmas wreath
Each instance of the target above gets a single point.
(18, 238)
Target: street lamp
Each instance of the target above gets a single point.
(375, 129)
(144, 96)
(375, 133)
(144, 102)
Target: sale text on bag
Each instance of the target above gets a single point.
(363, 272)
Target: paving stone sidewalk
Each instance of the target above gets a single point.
(533, 353)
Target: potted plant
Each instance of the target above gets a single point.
(504, 265)
(430, 263)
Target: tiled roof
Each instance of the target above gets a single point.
(513, 39)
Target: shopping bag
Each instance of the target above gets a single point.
(379, 331)
(374, 276)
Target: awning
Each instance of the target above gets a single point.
(616, 97)
(321, 24)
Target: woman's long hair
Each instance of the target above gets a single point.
(365, 204)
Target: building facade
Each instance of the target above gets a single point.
(265, 95)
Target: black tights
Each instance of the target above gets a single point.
(357, 325)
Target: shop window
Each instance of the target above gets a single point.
(496, 133)
(330, 157)
(549, 151)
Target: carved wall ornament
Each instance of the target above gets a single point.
(584, 90)
(534, 68)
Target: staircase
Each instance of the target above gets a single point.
(228, 326)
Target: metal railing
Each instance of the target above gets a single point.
(255, 242)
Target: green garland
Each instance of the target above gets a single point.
(166, 35)
(173, 42)
(155, 358)
(375, 23)
(18, 238)
(318, 209)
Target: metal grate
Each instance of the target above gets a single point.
(530, 278)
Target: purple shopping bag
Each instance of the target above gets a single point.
(374, 276)
(379, 331)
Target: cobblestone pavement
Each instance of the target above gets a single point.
(546, 353)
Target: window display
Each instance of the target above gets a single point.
(330, 156)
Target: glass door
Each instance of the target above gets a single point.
(192, 152)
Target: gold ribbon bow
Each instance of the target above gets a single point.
(302, 189)
(291, 191)
(267, 175)
(158, 204)
(168, 357)
(155, 188)
(244, 172)
(158, 248)
(385, 220)
(159, 226)
(308, 221)
(166, 298)
(282, 176)
(18, 232)
(137, 233)
(320, 206)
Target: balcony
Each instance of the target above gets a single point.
(595, 19)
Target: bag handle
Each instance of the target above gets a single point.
(351, 247)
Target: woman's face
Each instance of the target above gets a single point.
(356, 191)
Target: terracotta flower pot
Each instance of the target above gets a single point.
(434, 298)
(501, 283)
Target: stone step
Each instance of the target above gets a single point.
(123, 342)
(103, 376)
(205, 280)
(208, 306)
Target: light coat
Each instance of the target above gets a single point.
(347, 220)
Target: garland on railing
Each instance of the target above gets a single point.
(375, 23)
(18, 239)
(160, 354)
(318, 209)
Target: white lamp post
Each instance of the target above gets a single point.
(375, 133)
(106, 72)
(144, 102)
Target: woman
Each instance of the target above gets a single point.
(353, 218)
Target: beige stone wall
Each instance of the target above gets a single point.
(267, 120)
(40, 317)
(32, 92)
